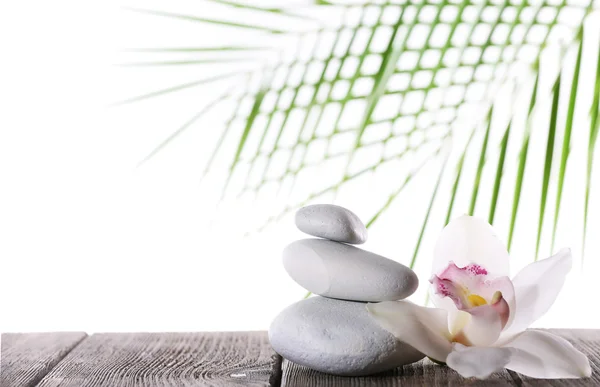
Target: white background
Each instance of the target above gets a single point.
(89, 241)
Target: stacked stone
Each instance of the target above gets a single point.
(333, 332)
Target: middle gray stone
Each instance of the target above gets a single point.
(337, 270)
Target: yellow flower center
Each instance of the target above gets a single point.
(476, 300)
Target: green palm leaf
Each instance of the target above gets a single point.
(566, 148)
(499, 173)
(548, 162)
(522, 162)
(413, 75)
(594, 125)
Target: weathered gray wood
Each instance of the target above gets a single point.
(168, 360)
(217, 359)
(28, 357)
(426, 373)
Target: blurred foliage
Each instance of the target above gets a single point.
(412, 71)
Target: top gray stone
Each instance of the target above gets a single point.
(331, 222)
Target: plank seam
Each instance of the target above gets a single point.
(516, 378)
(58, 361)
(276, 371)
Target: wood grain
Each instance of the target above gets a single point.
(168, 360)
(425, 373)
(218, 359)
(28, 357)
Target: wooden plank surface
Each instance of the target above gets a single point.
(168, 360)
(218, 359)
(28, 357)
(425, 373)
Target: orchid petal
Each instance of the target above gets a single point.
(536, 287)
(508, 307)
(440, 301)
(468, 240)
(457, 319)
(479, 362)
(543, 355)
(458, 283)
(423, 328)
(501, 307)
(452, 290)
(473, 320)
(463, 285)
(484, 327)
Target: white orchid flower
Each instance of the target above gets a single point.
(479, 324)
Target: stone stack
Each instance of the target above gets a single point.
(333, 332)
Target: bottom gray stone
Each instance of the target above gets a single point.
(337, 337)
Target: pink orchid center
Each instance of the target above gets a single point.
(470, 287)
(467, 286)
